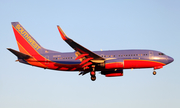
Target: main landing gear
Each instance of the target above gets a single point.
(93, 74)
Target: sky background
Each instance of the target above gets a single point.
(95, 24)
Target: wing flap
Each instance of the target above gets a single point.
(86, 60)
(87, 64)
(81, 56)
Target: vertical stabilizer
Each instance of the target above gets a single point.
(26, 43)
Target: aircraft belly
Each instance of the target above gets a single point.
(128, 64)
(67, 67)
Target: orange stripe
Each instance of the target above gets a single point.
(30, 59)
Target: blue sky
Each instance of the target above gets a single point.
(95, 24)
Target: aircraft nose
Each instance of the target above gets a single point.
(170, 59)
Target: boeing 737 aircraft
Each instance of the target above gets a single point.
(109, 63)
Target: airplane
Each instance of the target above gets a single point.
(109, 63)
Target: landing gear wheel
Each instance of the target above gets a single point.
(93, 78)
(93, 75)
(154, 73)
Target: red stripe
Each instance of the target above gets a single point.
(128, 64)
(115, 65)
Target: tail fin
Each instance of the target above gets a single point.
(26, 43)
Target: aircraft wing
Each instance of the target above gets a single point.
(82, 53)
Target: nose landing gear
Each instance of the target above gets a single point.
(154, 72)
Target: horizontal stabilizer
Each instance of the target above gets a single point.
(19, 54)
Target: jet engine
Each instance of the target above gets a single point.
(112, 73)
(114, 64)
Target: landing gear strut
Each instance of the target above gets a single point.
(154, 72)
(93, 76)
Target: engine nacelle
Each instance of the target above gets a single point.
(114, 64)
(112, 73)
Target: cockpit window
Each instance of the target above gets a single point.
(161, 54)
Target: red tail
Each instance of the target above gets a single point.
(26, 43)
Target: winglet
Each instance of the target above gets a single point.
(63, 35)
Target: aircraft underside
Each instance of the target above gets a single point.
(111, 71)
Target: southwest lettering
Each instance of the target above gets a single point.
(30, 40)
(27, 37)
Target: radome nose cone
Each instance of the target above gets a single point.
(170, 59)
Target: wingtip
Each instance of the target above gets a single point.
(9, 49)
(63, 35)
